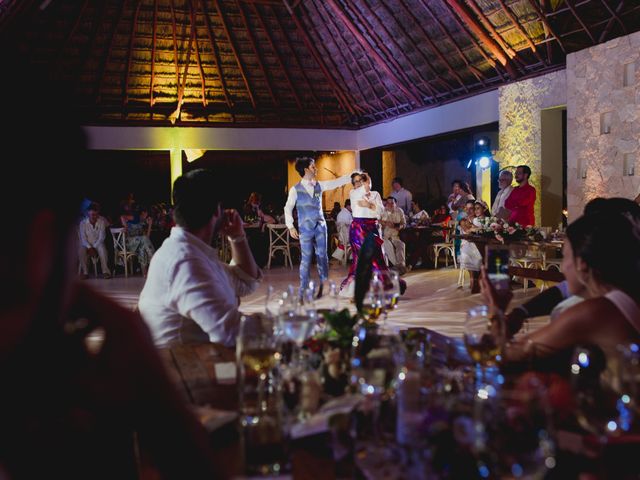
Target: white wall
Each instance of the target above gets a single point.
(469, 112)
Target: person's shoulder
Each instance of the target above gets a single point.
(596, 308)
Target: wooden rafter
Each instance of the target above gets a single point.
(153, 54)
(355, 109)
(431, 43)
(254, 46)
(327, 21)
(614, 16)
(183, 81)
(344, 47)
(263, 25)
(381, 44)
(379, 60)
(577, 17)
(72, 32)
(132, 37)
(97, 22)
(492, 30)
(217, 62)
(609, 26)
(318, 58)
(543, 19)
(174, 35)
(203, 85)
(296, 57)
(105, 58)
(493, 47)
(475, 71)
(235, 51)
(516, 23)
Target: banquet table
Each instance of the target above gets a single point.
(419, 240)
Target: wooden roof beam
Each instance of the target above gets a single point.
(433, 46)
(236, 54)
(382, 64)
(203, 86)
(577, 17)
(107, 55)
(318, 58)
(381, 44)
(174, 35)
(614, 16)
(475, 71)
(134, 23)
(328, 20)
(516, 23)
(254, 46)
(543, 18)
(476, 28)
(492, 30)
(278, 56)
(352, 60)
(153, 54)
(295, 56)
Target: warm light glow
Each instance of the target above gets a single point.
(193, 153)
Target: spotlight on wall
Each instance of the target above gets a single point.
(469, 163)
(484, 162)
(482, 142)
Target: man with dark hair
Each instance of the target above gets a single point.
(190, 296)
(522, 199)
(403, 196)
(306, 196)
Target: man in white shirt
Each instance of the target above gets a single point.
(343, 222)
(504, 180)
(393, 220)
(92, 232)
(190, 296)
(306, 196)
(403, 197)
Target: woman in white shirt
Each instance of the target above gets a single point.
(366, 207)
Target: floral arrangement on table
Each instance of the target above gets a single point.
(503, 231)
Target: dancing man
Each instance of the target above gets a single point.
(306, 196)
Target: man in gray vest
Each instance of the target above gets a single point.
(306, 196)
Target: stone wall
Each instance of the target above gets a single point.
(520, 135)
(595, 161)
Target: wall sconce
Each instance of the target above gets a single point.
(629, 165)
(582, 170)
(605, 123)
(629, 78)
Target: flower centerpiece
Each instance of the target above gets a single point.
(503, 231)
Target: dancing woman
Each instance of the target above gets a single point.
(366, 206)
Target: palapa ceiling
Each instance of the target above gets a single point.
(322, 63)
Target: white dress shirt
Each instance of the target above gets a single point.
(190, 296)
(309, 186)
(403, 199)
(92, 235)
(357, 211)
(501, 197)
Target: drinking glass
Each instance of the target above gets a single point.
(484, 338)
(372, 305)
(260, 405)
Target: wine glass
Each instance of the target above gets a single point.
(391, 291)
(484, 338)
(372, 305)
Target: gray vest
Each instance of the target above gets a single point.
(309, 207)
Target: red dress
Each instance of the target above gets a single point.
(520, 203)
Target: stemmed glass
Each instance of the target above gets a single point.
(484, 338)
(391, 291)
(373, 303)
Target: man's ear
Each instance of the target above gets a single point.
(41, 249)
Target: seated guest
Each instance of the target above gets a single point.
(93, 231)
(70, 407)
(608, 266)
(460, 194)
(251, 211)
(190, 296)
(335, 210)
(343, 224)
(470, 258)
(441, 217)
(137, 226)
(392, 221)
(480, 212)
(418, 216)
(555, 299)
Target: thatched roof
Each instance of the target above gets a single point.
(343, 63)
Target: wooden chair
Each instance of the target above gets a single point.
(119, 236)
(447, 247)
(279, 241)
